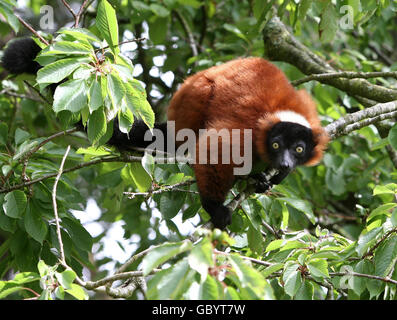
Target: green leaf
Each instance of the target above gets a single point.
(249, 277)
(318, 268)
(200, 258)
(386, 256)
(292, 278)
(3, 133)
(106, 22)
(59, 70)
(159, 10)
(78, 292)
(80, 34)
(7, 10)
(34, 223)
(71, 96)
(170, 283)
(275, 244)
(67, 48)
(148, 163)
(21, 136)
(366, 239)
(96, 127)
(301, 205)
(359, 283)
(273, 268)
(392, 137)
(383, 209)
(304, 6)
(79, 235)
(14, 204)
(163, 253)
(6, 291)
(390, 188)
(171, 203)
(66, 278)
(116, 89)
(329, 23)
(305, 292)
(137, 103)
(140, 177)
(209, 289)
(126, 120)
(95, 100)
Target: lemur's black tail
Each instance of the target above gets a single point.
(18, 58)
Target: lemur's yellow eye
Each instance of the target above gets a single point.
(275, 145)
(299, 149)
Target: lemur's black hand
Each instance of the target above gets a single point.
(262, 184)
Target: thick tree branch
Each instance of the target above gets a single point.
(344, 74)
(280, 45)
(362, 118)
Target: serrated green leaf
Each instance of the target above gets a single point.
(209, 289)
(137, 103)
(59, 70)
(68, 48)
(95, 100)
(292, 278)
(106, 22)
(116, 89)
(96, 126)
(80, 34)
(386, 256)
(71, 96)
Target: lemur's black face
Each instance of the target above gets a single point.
(289, 144)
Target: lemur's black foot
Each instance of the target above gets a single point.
(221, 216)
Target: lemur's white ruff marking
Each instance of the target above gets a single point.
(291, 116)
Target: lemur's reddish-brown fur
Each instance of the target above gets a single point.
(240, 94)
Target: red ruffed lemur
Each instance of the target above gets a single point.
(248, 93)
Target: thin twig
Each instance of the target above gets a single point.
(362, 275)
(189, 33)
(30, 28)
(161, 189)
(78, 15)
(54, 203)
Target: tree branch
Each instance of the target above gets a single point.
(361, 118)
(280, 45)
(54, 203)
(344, 74)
